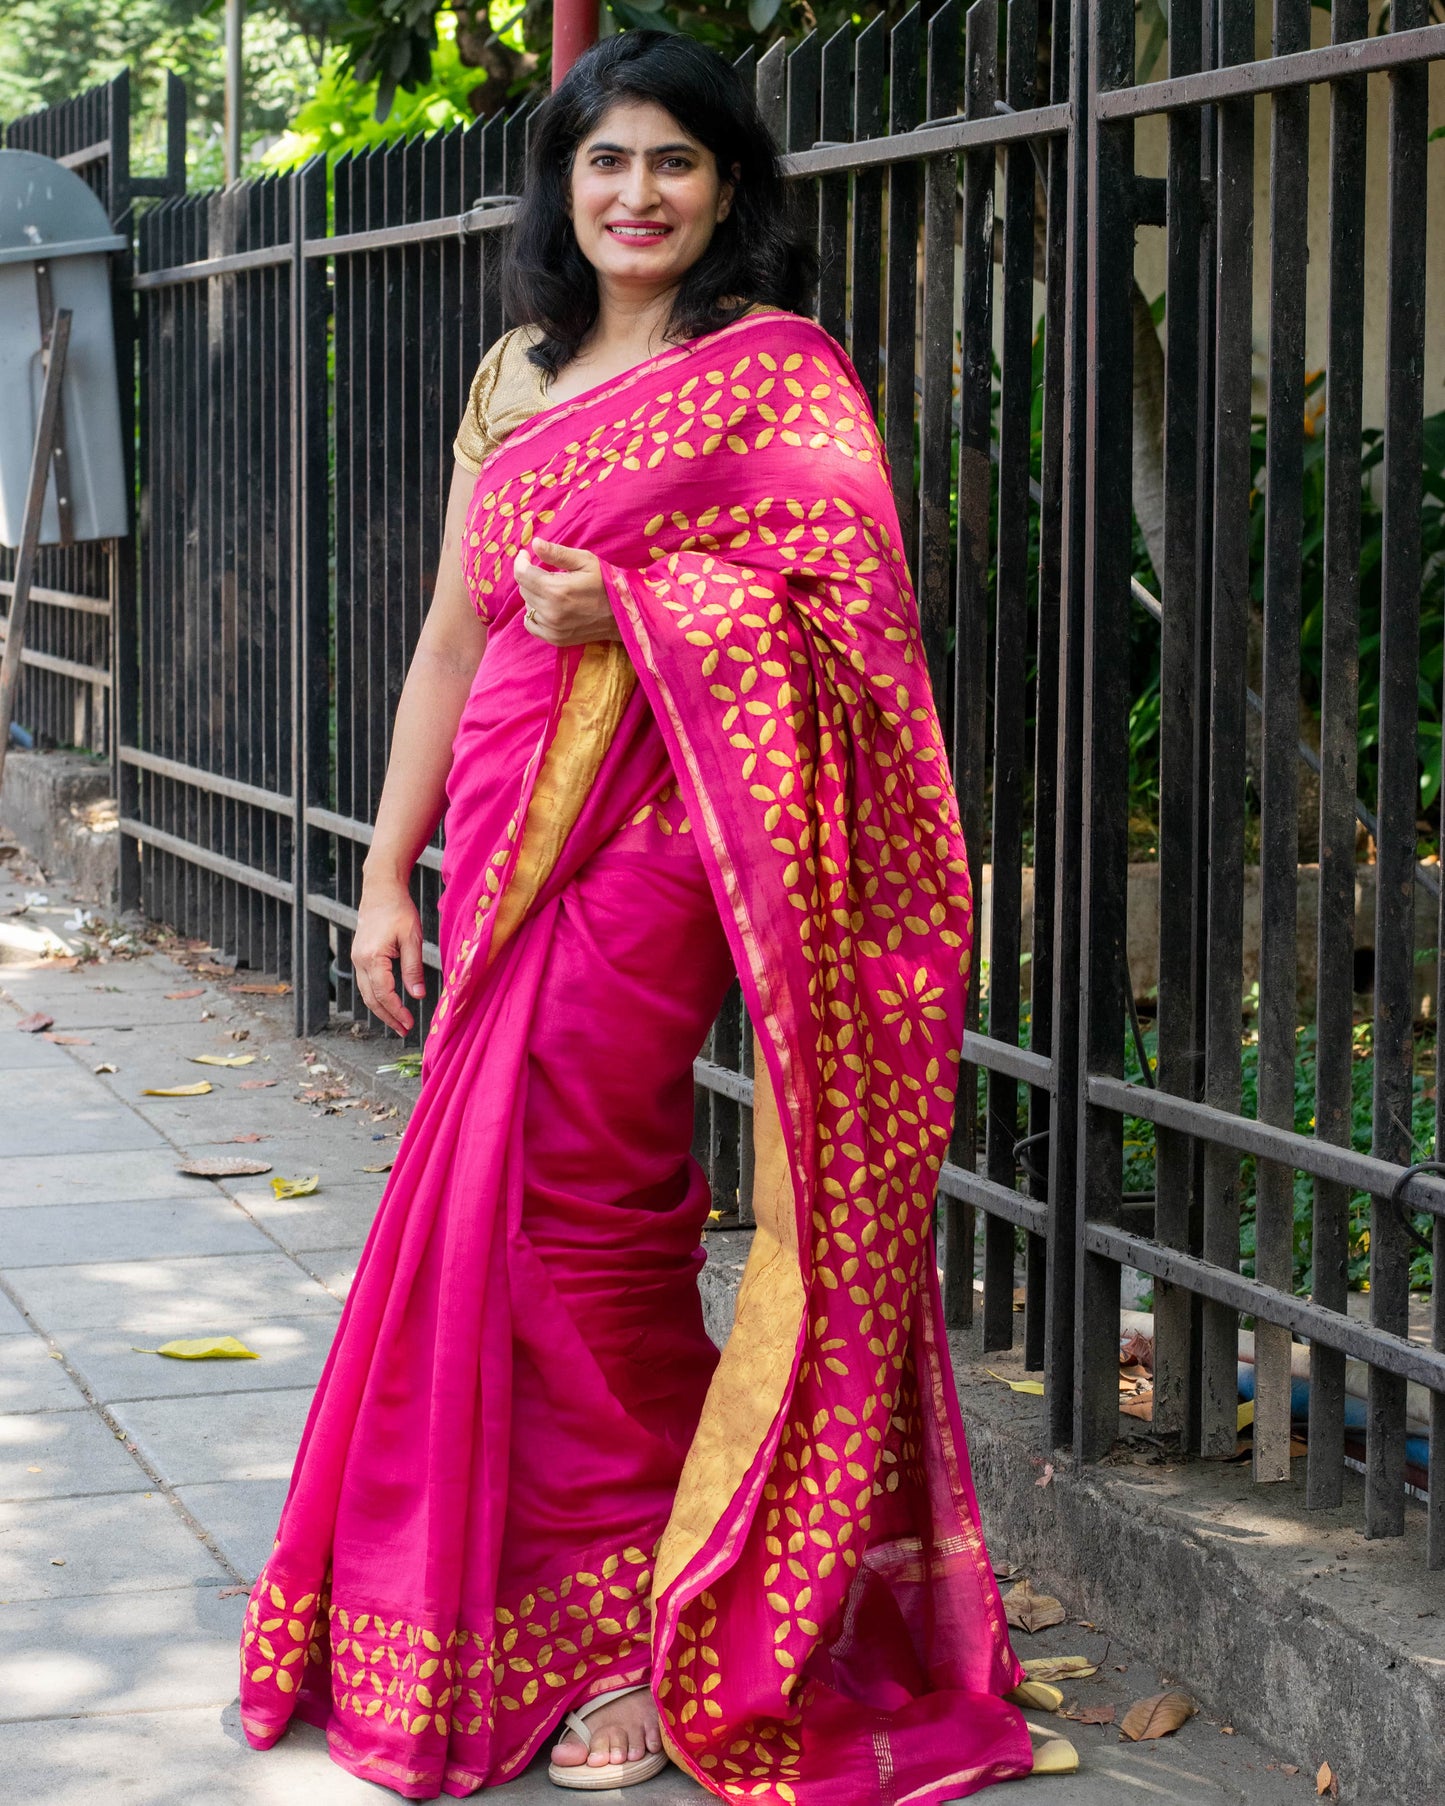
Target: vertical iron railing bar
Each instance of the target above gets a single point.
(1103, 872)
(1180, 852)
(1038, 1325)
(970, 685)
(866, 253)
(1229, 613)
(1065, 1234)
(1279, 782)
(1398, 795)
(1339, 749)
(933, 563)
(901, 292)
(1013, 521)
(835, 125)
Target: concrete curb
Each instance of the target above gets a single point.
(1319, 1643)
(60, 808)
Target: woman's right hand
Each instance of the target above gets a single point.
(388, 929)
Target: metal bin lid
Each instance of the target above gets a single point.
(47, 211)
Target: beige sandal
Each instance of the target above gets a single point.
(609, 1774)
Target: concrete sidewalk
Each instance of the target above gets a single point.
(139, 1495)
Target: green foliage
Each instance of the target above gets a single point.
(342, 114)
(1139, 1146)
(51, 50)
(1432, 586)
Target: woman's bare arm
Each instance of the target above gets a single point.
(413, 796)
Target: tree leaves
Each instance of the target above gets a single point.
(1157, 1716)
(233, 1166)
(295, 1188)
(1327, 1783)
(204, 1348)
(1027, 1610)
(198, 1090)
(1034, 1387)
(1059, 1668)
(34, 1022)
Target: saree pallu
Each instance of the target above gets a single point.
(494, 1513)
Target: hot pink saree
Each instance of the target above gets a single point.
(527, 1476)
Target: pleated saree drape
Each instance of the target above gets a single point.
(527, 1475)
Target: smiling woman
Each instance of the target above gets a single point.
(533, 1501)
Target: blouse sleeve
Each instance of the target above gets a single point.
(474, 440)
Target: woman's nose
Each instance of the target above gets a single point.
(639, 190)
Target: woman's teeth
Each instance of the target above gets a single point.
(638, 232)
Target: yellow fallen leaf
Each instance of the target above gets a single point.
(223, 1059)
(199, 1090)
(1035, 1387)
(1059, 1668)
(295, 1188)
(204, 1348)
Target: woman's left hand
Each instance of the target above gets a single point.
(568, 604)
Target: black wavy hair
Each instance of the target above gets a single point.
(756, 255)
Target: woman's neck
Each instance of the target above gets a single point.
(629, 324)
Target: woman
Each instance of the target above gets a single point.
(701, 741)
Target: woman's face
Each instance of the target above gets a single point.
(646, 198)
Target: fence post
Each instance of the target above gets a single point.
(310, 594)
(124, 626)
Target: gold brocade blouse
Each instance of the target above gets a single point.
(506, 390)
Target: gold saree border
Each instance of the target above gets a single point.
(586, 723)
(756, 1367)
(751, 1378)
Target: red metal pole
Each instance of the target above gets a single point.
(574, 29)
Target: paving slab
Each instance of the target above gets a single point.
(190, 1296)
(334, 1216)
(333, 1268)
(120, 1543)
(118, 1652)
(181, 1758)
(86, 1178)
(240, 1516)
(64, 1454)
(29, 1052)
(45, 1112)
(46, 1235)
(32, 1379)
(12, 1322)
(291, 1351)
(239, 1436)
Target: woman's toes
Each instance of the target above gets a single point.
(569, 1752)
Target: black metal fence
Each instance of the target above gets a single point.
(978, 202)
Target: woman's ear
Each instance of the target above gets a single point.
(726, 193)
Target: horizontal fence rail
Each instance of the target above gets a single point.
(1138, 624)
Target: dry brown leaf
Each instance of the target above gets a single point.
(257, 1084)
(1157, 1716)
(250, 1135)
(383, 1167)
(1090, 1715)
(233, 1592)
(34, 1022)
(1327, 1783)
(69, 1040)
(225, 1166)
(1027, 1610)
(1141, 1407)
(263, 990)
(106, 1066)
(1059, 1668)
(1289, 1768)
(181, 996)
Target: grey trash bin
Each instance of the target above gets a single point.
(49, 217)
